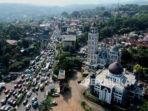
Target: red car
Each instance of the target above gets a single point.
(23, 76)
(7, 91)
(23, 80)
(20, 85)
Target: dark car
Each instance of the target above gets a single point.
(3, 102)
(25, 102)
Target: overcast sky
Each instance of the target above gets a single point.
(61, 2)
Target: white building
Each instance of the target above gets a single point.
(100, 55)
(92, 57)
(113, 85)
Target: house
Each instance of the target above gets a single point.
(12, 42)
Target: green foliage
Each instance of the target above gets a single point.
(138, 55)
(144, 107)
(106, 13)
(67, 63)
(21, 98)
(143, 72)
(75, 14)
(29, 85)
(14, 109)
(68, 48)
(45, 105)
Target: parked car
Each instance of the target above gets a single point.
(3, 102)
(3, 108)
(20, 85)
(41, 86)
(6, 91)
(28, 106)
(35, 104)
(29, 94)
(55, 94)
(54, 103)
(37, 88)
(16, 85)
(34, 99)
(25, 102)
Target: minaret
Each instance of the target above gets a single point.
(92, 56)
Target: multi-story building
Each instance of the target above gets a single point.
(92, 57)
(100, 55)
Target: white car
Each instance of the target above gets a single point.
(29, 94)
(28, 106)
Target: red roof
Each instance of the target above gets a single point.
(11, 42)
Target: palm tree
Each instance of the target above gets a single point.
(45, 105)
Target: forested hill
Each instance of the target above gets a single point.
(10, 12)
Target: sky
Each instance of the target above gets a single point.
(61, 2)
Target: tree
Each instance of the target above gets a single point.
(75, 14)
(106, 13)
(64, 14)
(144, 107)
(45, 105)
(138, 68)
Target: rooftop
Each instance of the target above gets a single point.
(61, 74)
(105, 78)
(69, 37)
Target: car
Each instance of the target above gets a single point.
(55, 94)
(33, 89)
(41, 86)
(3, 108)
(6, 91)
(28, 106)
(3, 101)
(25, 102)
(46, 82)
(7, 108)
(29, 94)
(22, 76)
(38, 77)
(14, 103)
(37, 88)
(19, 85)
(34, 99)
(19, 96)
(23, 89)
(23, 80)
(54, 103)
(11, 91)
(16, 85)
(8, 96)
(14, 93)
(79, 81)
(35, 104)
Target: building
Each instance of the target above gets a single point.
(116, 86)
(108, 54)
(100, 55)
(92, 56)
(12, 42)
(69, 40)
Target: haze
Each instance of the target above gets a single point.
(62, 2)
